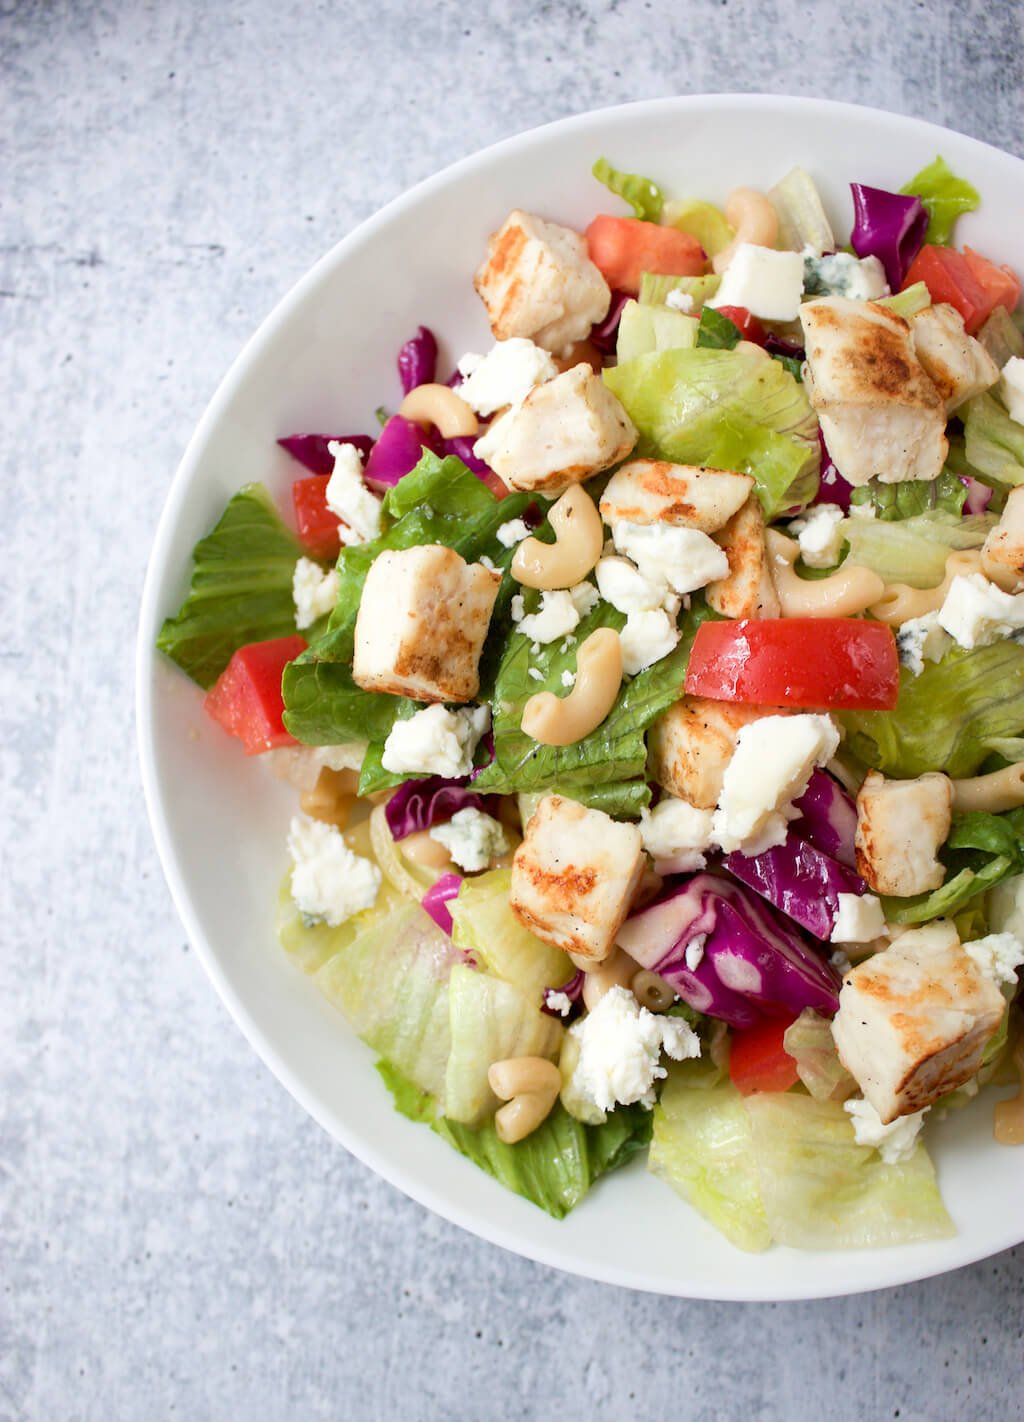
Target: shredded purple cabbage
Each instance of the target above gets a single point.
(979, 495)
(890, 227)
(828, 818)
(418, 804)
(417, 360)
(399, 448)
(311, 449)
(605, 334)
(462, 447)
(799, 880)
(832, 487)
(775, 345)
(752, 964)
(435, 900)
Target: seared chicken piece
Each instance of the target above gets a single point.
(574, 877)
(1002, 555)
(561, 433)
(880, 413)
(422, 620)
(749, 590)
(653, 491)
(914, 1019)
(956, 364)
(900, 827)
(538, 281)
(691, 744)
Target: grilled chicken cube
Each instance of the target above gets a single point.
(1002, 556)
(653, 491)
(691, 744)
(574, 877)
(749, 590)
(900, 826)
(422, 620)
(879, 411)
(957, 365)
(914, 1020)
(538, 281)
(562, 432)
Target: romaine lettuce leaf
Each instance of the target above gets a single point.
(440, 501)
(981, 851)
(913, 550)
(644, 330)
(892, 502)
(993, 442)
(946, 716)
(644, 197)
(945, 197)
(733, 409)
(553, 1168)
(241, 588)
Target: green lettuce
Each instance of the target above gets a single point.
(728, 409)
(440, 501)
(981, 851)
(644, 330)
(485, 927)
(945, 197)
(655, 287)
(947, 716)
(892, 502)
(553, 1168)
(909, 302)
(644, 197)
(994, 443)
(702, 220)
(241, 588)
(802, 219)
(913, 550)
(809, 1041)
(1001, 337)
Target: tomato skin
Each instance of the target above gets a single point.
(315, 524)
(839, 663)
(757, 1059)
(1000, 284)
(623, 247)
(967, 281)
(246, 698)
(748, 326)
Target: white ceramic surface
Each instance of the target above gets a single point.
(324, 360)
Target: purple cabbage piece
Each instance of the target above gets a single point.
(418, 804)
(753, 966)
(311, 449)
(799, 880)
(832, 487)
(417, 360)
(462, 447)
(399, 448)
(888, 226)
(828, 818)
(605, 334)
(435, 900)
(979, 495)
(775, 345)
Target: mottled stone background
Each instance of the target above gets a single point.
(176, 1237)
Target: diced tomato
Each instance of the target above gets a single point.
(748, 326)
(824, 662)
(757, 1059)
(316, 525)
(623, 247)
(246, 698)
(967, 281)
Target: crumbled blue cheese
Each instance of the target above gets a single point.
(819, 533)
(676, 835)
(513, 532)
(859, 919)
(841, 274)
(770, 767)
(646, 638)
(349, 498)
(556, 618)
(683, 559)
(472, 838)
(620, 1044)
(920, 640)
(436, 741)
(894, 1142)
(768, 283)
(1011, 387)
(505, 375)
(329, 882)
(976, 612)
(998, 955)
(314, 592)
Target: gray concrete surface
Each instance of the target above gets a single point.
(176, 1237)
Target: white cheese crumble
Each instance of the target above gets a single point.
(859, 919)
(646, 638)
(585, 598)
(556, 618)
(620, 1044)
(505, 375)
(676, 835)
(436, 741)
(513, 532)
(683, 559)
(568, 679)
(679, 300)
(472, 838)
(694, 951)
(819, 533)
(349, 498)
(976, 612)
(921, 639)
(329, 883)
(1011, 387)
(559, 1002)
(535, 673)
(314, 592)
(518, 608)
(768, 283)
(769, 769)
(894, 1142)
(842, 274)
(997, 955)
(841, 962)
(623, 585)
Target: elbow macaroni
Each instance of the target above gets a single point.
(530, 1086)
(563, 721)
(579, 538)
(901, 603)
(850, 590)
(752, 218)
(994, 793)
(439, 406)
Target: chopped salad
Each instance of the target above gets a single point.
(652, 683)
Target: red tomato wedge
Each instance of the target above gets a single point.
(316, 526)
(1000, 284)
(623, 247)
(967, 281)
(758, 1061)
(822, 662)
(748, 326)
(246, 698)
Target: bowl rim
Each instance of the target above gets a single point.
(399, 1175)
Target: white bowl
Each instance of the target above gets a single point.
(323, 360)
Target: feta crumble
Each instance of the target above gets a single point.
(559, 1002)
(679, 301)
(568, 679)
(329, 882)
(819, 533)
(768, 283)
(997, 955)
(556, 618)
(436, 741)
(505, 375)
(683, 559)
(349, 498)
(620, 1043)
(645, 639)
(585, 598)
(693, 953)
(769, 769)
(1011, 387)
(676, 834)
(314, 592)
(472, 838)
(621, 583)
(859, 919)
(894, 1142)
(976, 612)
(513, 532)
